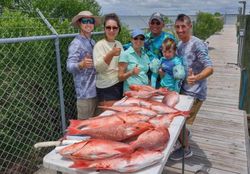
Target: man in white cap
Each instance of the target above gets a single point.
(153, 42)
(80, 64)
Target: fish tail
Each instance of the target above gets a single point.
(75, 123)
(73, 131)
(185, 113)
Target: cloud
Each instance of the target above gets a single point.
(170, 7)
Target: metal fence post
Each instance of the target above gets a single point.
(59, 69)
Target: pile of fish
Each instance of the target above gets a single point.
(131, 138)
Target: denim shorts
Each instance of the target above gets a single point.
(114, 92)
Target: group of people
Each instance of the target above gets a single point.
(103, 71)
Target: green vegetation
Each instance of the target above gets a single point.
(167, 20)
(207, 24)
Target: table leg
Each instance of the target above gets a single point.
(183, 146)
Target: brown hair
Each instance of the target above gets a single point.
(183, 18)
(169, 44)
(114, 17)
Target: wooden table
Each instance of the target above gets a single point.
(56, 162)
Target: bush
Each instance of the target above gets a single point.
(207, 24)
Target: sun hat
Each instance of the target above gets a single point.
(136, 32)
(156, 15)
(85, 14)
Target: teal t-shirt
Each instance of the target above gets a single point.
(132, 59)
(174, 73)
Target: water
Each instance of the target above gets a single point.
(142, 21)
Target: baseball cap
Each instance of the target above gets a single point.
(156, 15)
(137, 32)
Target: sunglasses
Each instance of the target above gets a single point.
(139, 38)
(155, 22)
(88, 20)
(111, 28)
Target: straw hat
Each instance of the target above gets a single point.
(85, 14)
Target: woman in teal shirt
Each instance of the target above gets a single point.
(134, 62)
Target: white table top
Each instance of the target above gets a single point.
(56, 162)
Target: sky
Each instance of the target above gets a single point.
(170, 7)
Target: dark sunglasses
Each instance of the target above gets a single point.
(155, 22)
(139, 38)
(110, 27)
(88, 20)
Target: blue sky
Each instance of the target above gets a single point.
(170, 7)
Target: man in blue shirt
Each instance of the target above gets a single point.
(80, 64)
(199, 66)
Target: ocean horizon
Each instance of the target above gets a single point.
(142, 21)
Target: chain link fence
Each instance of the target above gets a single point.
(29, 100)
(37, 95)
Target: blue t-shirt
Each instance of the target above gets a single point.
(174, 73)
(132, 59)
(195, 56)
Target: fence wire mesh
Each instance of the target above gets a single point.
(29, 101)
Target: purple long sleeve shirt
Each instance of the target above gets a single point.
(84, 79)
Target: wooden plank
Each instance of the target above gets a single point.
(221, 124)
(212, 166)
(222, 135)
(214, 142)
(220, 116)
(218, 150)
(220, 109)
(172, 170)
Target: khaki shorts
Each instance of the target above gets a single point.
(86, 108)
(194, 110)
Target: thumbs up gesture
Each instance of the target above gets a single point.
(191, 79)
(136, 70)
(87, 62)
(116, 51)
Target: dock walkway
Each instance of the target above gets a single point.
(219, 134)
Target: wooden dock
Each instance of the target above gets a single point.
(220, 141)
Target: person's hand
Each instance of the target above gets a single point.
(116, 51)
(161, 72)
(191, 79)
(87, 62)
(136, 70)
